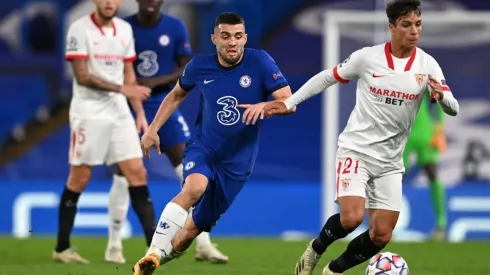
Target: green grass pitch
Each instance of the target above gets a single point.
(247, 257)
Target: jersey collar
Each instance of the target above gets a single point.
(389, 58)
(92, 16)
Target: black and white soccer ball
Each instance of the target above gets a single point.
(387, 263)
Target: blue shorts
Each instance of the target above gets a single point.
(220, 192)
(175, 131)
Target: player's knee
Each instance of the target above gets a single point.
(78, 178)
(195, 185)
(134, 171)
(351, 219)
(380, 235)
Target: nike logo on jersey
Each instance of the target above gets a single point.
(377, 75)
(208, 81)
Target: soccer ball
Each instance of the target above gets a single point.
(387, 263)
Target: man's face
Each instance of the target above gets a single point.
(150, 6)
(107, 8)
(407, 30)
(230, 42)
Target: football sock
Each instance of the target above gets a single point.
(202, 239)
(143, 206)
(179, 172)
(359, 250)
(331, 231)
(118, 209)
(438, 194)
(171, 221)
(66, 218)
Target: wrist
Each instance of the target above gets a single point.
(289, 103)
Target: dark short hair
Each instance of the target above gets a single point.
(398, 8)
(230, 18)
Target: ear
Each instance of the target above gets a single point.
(213, 38)
(245, 37)
(391, 27)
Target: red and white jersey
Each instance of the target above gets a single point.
(388, 96)
(106, 50)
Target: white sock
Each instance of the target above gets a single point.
(179, 171)
(171, 221)
(118, 209)
(203, 238)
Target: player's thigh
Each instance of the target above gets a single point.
(352, 176)
(124, 142)
(215, 201)
(385, 192)
(175, 131)
(90, 141)
(198, 172)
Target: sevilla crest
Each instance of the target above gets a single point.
(419, 78)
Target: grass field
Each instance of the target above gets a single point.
(247, 256)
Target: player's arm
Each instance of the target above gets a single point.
(77, 53)
(130, 79)
(342, 73)
(283, 94)
(173, 100)
(440, 91)
(169, 104)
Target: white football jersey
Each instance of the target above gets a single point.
(388, 96)
(106, 50)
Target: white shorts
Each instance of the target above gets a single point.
(360, 175)
(99, 141)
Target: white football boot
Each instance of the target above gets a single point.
(306, 264)
(69, 255)
(114, 255)
(327, 271)
(210, 253)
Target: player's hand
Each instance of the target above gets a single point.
(436, 89)
(439, 139)
(141, 124)
(275, 108)
(136, 92)
(148, 140)
(252, 112)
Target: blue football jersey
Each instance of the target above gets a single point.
(220, 131)
(158, 49)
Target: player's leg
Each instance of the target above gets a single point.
(173, 135)
(384, 196)
(88, 147)
(118, 209)
(125, 150)
(172, 220)
(428, 158)
(352, 177)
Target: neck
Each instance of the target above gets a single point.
(399, 51)
(101, 21)
(149, 19)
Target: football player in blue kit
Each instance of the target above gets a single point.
(163, 48)
(220, 154)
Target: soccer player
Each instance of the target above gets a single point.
(392, 81)
(101, 50)
(427, 140)
(220, 155)
(163, 49)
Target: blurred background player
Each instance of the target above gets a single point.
(103, 129)
(426, 141)
(220, 155)
(392, 79)
(162, 48)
